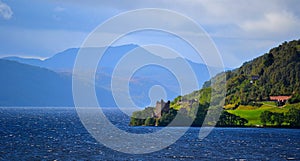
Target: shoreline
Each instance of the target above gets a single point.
(262, 127)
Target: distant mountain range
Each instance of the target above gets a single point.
(35, 82)
(26, 85)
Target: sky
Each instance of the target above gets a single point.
(241, 30)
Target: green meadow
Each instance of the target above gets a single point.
(252, 113)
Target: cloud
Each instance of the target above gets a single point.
(242, 30)
(5, 11)
(269, 19)
(272, 23)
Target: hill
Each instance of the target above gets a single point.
(25, 85)
(141, 82)
(274, 73)
(64, 61)
(248, 93)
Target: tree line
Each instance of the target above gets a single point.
(291, 118)
(146, 118)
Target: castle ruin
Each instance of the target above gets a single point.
(161, 107)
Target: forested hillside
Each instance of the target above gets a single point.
(274, 73)
(248, 91)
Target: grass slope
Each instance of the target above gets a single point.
(252, 114)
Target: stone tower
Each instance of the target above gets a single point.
(161, 107)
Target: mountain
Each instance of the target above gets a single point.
(64, 61)
(29, 61)
(142, 80)
(26, 85)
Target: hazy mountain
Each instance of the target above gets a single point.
(25, 85)
(64, 61)
(140, 83)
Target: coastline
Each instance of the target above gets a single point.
(259, 127)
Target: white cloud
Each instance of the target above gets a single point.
(242, 29)
(229, 18)
(282, 23)
(247, 29)
(5, 11)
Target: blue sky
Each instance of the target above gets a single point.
(242, 30)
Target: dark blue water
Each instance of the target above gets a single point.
(57, 134)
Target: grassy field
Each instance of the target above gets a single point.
(252, 114)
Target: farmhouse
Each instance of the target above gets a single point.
(280, 99)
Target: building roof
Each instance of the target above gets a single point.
(279, 98)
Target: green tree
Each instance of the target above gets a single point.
(136, 121)
(200, 115)
(293, 117)
(138, 118)
(278, 118)
(269, 59)
(166, 118)
(266, 117)
(150, 121)
(228, 119)
(295, 99)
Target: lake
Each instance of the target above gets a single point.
(57, 134)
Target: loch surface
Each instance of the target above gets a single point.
(44, 133)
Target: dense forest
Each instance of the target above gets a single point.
(272, 74)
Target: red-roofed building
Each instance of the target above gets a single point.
(280, 99)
